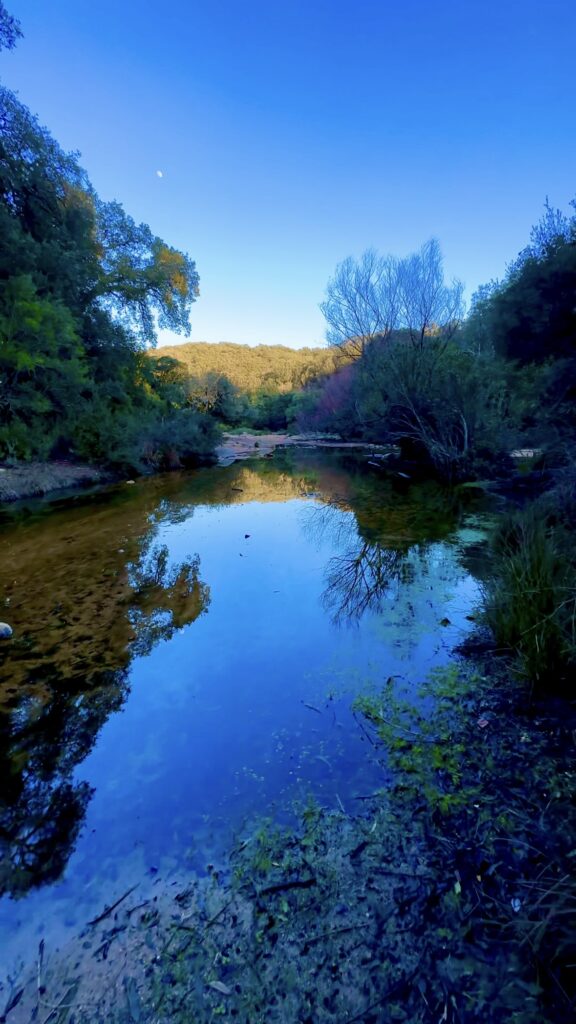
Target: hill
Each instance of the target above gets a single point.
(271, 368)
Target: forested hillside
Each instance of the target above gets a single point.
(267, 387)
(272, 368)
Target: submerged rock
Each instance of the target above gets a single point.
(5, 631)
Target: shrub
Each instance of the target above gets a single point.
(442, 405)
(143, 440)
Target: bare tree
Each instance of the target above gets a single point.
(428, 305)
(362, 301)
(370, 298)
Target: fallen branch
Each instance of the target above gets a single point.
(304, 883)
(110, 910)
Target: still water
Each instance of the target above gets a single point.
(185, 655)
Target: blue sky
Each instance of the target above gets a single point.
(292, 134)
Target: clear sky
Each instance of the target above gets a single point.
(292, 133)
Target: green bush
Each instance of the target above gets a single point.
(445, 407)
(178, 439)
(144, 440)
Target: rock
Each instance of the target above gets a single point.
(5, 631)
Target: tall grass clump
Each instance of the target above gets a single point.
(530, 602)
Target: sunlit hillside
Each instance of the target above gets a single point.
(270, 367)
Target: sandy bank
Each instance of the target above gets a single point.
(35, 479)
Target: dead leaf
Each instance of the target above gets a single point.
(220, 987)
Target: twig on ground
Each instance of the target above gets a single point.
(110, 910)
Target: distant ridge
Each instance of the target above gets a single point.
(253, 368)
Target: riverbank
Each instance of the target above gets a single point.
(247, 445)
(37, 479)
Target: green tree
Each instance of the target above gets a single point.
(82, 291)
(43, 369)
(531, 315)
(141, 280)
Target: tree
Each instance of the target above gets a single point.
(428, 305)
(441, 405)
(47, 217)
(476, 335)
(362, 301)
(82, 291)
(141, 280)
(43, 371)
(369, 299)
(552, 230)
(531, 315)
(10, 31)
(87, 252)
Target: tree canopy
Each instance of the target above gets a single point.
(531, 315)
(10, 31)
(83, 289)
(371, 298)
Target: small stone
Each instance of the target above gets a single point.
(5, 631)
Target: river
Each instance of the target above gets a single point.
(185, 653)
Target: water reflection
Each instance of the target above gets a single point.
(357, 581)
(51, 726)
(237, 716)
(377, 545)
(165, 598)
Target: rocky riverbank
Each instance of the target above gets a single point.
(248, 446)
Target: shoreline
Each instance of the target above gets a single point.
(38, 479)
(42, 479)
(247, 445)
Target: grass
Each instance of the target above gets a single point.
(530, 603)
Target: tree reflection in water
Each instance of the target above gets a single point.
(358, 579)
(52, 723)
(382, 546)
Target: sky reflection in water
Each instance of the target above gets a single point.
(199, 677)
